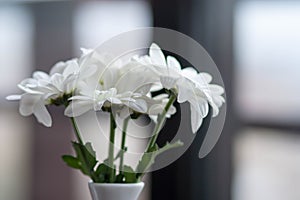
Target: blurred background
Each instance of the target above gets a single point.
(255, 44)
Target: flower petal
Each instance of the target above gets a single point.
(168, 82)
(138, 105)
(216, 89)
(173, 63)
(27, 103)
(71, 68)
(77, 108)
(186, 90)
(196, 120)
(13, 97)
(39, 75)
(189, 72)
(58, 68)
(41, 113)
(157, 56)
(204, 77)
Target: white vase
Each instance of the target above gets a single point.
(115, 191)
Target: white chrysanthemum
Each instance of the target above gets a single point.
(190, 85)
(43, 88)
(117, 84)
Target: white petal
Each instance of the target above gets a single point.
(114, 100)
(215, 109)
(201, 105)
(80, 98)
(41, 113)
(189, 72)
(57, 80)
(168, 82)
(27, 103)
(216, 89)
(203, 108)
(98, 105)
(142, 59)
(29, 82)
(72, 68)
(218, 100)
(13, 97)
(196, 120)
(144, 89)
(139, 105)
(156, 109)
(153, 118)
(161, 96)
(58, 68)
(173, 63)
(87, 71)
(187, 90)
(40, 75)
(199, 110)
(156, 55)
(85, 51)
(28, 90)
(77, 108)
(204, 77)
(70, 83)
(172, 110)
(156, 87)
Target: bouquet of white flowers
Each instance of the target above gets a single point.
(125, 90)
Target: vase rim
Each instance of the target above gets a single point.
(117, 184)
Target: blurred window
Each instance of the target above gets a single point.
(267, 94)
(16, 43)
(95, 22)
(267, 164)
(267, 52)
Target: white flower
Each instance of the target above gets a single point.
(191, 86)
(213, 92)
(108, 99)
(43, 88)
(33, 104)
(117, 84)
(157, 105)
(33, 99)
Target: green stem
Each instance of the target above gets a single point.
(111, 148)
(125, 125)
(77, 133)
(160, 122)
(155, 134)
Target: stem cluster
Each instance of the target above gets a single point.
(106, 171)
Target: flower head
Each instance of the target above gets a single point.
(43, 89)
(190, 85)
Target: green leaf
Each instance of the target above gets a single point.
(129, 174)
(102, 173)
(120, 178)
(148, 158)
(71, 161)
(102, 169)
(87, 159)
(89, 147)
(169, 146)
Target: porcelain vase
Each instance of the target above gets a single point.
(115, 191)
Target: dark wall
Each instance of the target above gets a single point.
(53, 42)
(210, 23)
